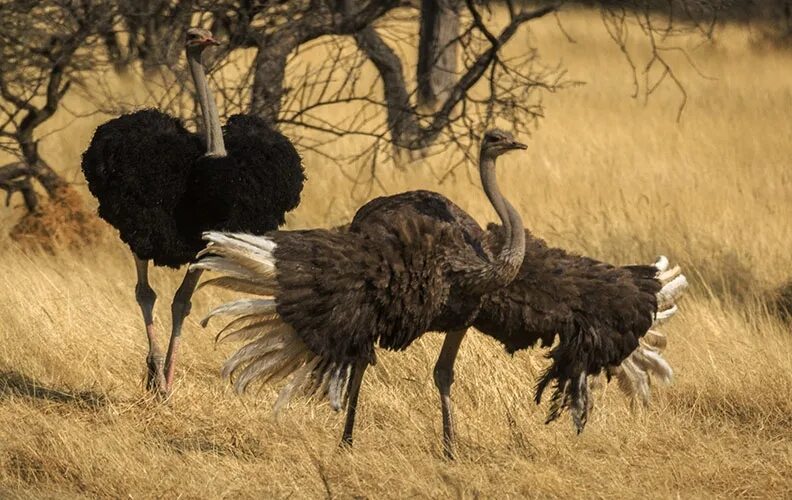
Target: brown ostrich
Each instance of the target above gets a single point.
(601, 315)
(329, 296)
(394, 273)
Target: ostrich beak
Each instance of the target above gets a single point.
(211, 41)
(518, 145)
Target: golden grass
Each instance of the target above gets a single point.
(605, 175)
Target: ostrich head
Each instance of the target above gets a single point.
(496, 142)
(199, 37)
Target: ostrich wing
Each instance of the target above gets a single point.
(138, 166)
(598, 311)
(270, 165)
(252, 188)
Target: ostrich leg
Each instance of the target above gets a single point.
(354, 390)
(444, 377)
(155, 379)
(180, 309)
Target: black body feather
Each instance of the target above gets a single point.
(155, 186)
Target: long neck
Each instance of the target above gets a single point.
(211, 118)
(509, 260)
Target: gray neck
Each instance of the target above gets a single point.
(211, 118)
(510, 258)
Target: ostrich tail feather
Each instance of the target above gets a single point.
(273, 351)
(635, 373)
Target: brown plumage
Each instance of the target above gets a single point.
(393, 275)
(598, 313)
(415, 262)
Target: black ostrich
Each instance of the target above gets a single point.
(330, 296)
(158, 187)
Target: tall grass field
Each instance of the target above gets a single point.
(613, 177)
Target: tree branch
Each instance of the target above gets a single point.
(403, 121)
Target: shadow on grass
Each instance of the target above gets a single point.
(15, 384)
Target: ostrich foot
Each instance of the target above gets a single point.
(155, 375)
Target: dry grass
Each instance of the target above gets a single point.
(606, 175)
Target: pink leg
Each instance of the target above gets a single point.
(155, 379)
(180, 309)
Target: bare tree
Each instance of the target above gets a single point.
(457, 50)
(390, 114)
(662, 23)
(464, 78)
(509, 84)
(774, 18)
(44, 46)
(149, 31)
(437, 50)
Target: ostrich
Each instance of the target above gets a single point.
(161, 191)
(329, 296)
(598, 311)
(554, 293)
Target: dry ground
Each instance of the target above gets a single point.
(605, 175)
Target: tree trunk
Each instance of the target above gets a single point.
(15, 177)
(437, 50)
(274, 49)
(40, 170)
(402, 123)
(61, 221)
